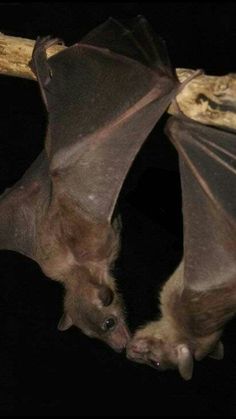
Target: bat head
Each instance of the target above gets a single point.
(87, 250)
(162, 348)
(97, 309)
(160, 354)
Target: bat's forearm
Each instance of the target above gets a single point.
(207, 99)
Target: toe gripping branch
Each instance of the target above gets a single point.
(39, 63)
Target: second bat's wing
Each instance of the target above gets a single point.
(104, 96)
(21, 208)
(208, 176)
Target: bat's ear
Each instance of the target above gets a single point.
(185, 362)
(65, 323)
(106, 295)
(218, 352)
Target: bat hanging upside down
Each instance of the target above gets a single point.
(200, 297)
(103, 96)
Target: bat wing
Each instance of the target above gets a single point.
(21, 206)
(208, 176)
(103, 95)
(136, 40)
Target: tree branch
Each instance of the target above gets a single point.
(207, 99)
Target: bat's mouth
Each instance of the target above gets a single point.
(136, 355)
(143, 357)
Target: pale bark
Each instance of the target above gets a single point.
(207, 99)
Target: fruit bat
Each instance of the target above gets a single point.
(200, 297)
(103, 96)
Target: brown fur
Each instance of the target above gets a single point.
(189, 317)
(79, 253)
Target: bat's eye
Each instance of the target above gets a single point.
(109, 324)
(155, 364)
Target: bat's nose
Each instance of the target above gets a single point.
(120, 337)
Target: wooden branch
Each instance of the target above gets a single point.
(207, 99)
(15, 54)
(210, 100)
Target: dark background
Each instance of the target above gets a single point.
(42, 371)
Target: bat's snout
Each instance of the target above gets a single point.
(119, 338)
(137, 348)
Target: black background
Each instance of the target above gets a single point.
(42, 371)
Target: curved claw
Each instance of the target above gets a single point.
(39, 63)
(39, 50)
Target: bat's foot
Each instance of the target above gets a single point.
(39, 63)
(160, 346)
(39, 51)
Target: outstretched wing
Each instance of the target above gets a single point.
(21, 208)
(135, 40)
(208, 176)
(104, 95)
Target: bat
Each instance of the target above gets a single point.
(103, 96)
(200, 297)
